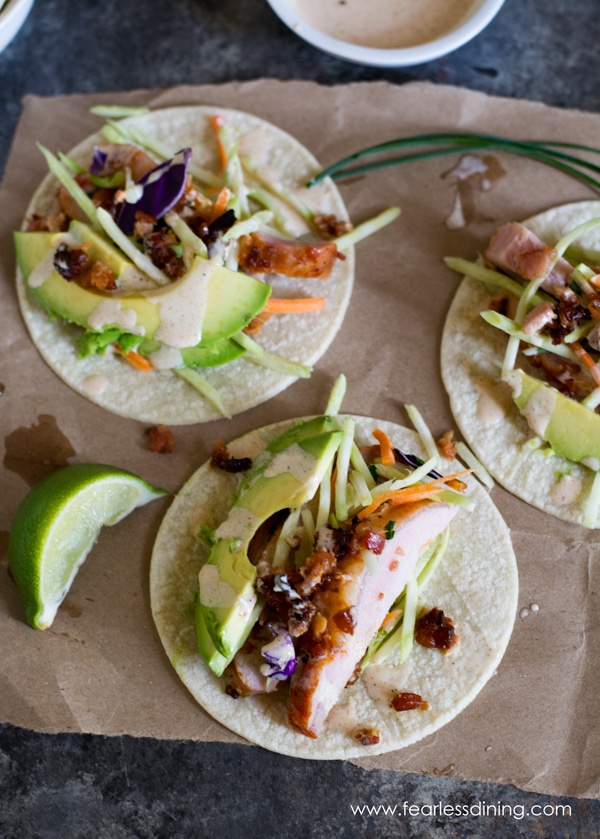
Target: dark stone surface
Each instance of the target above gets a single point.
(72, 786)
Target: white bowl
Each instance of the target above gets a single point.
(12, 17)
(482, 13)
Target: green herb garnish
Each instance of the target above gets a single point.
(544, 151)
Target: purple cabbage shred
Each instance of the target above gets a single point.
(279, 655)
(98, 161)
(163, 187)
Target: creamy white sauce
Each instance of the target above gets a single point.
(110, 313)
(566, 491)
(295, 460)
(493, 402)
(165, 358)
(94, 385)
(539, 409)
(384, 24)
(45, 266)
(239, 524)
(181, 307)
(215, 593)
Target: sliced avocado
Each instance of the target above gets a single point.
(221, 352)
(283, 477)
(570, 428)
(233, 299)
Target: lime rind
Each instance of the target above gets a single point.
(57, 525)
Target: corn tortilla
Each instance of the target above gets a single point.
(161, 396)
(476, 585)
(471, 357)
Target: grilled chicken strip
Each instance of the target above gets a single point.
(352, 607)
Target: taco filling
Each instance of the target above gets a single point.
(316, 589)
(544, 294)
(194, 258)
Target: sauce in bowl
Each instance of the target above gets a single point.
(384, 24)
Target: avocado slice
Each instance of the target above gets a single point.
(221, 352)
(286, 475)
(232, 299)
(571, 429)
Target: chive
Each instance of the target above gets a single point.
(539, 150)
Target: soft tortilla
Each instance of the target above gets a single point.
(476, 585)
(162, 397)
(471, 357)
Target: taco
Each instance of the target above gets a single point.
(196, 211)
(301, 638)
(523, 378)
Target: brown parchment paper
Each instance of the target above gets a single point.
(100, 668)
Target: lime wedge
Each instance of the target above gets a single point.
(57, 525)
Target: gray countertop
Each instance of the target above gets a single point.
(88, 786)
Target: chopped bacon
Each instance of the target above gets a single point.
(158, 244)
(71, 263)
(263, 254)
(435, 630)
(53, 223)
(368, 736)
(330, 226)
(447, 445)
(516, 249)
(162, 439)
(407, 701)
(143, 225)
(100, 277)
(221, 459)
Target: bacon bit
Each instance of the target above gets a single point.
(135, 359)
(158, 245)
(257, 323)
(587, 360)
(70, 263)
(294, 305)
(388, 458)
(99, 277)
(144, 224)
(53, 223)
(408, 702)
(330, 226)
(368, 736)
(217, 123)
(435, 630)
(345, 621)
(447, 445)
(221, 459)
(162, 439)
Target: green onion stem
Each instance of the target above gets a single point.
(542, 151)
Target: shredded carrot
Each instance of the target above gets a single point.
(294, 305)
(587, 360)
(390, 619)
(134, 358)
(411, 494)
(220, 204)
(386, 449)
(216, 122)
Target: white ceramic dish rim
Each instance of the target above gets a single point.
(401, 57)
(13, 15)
